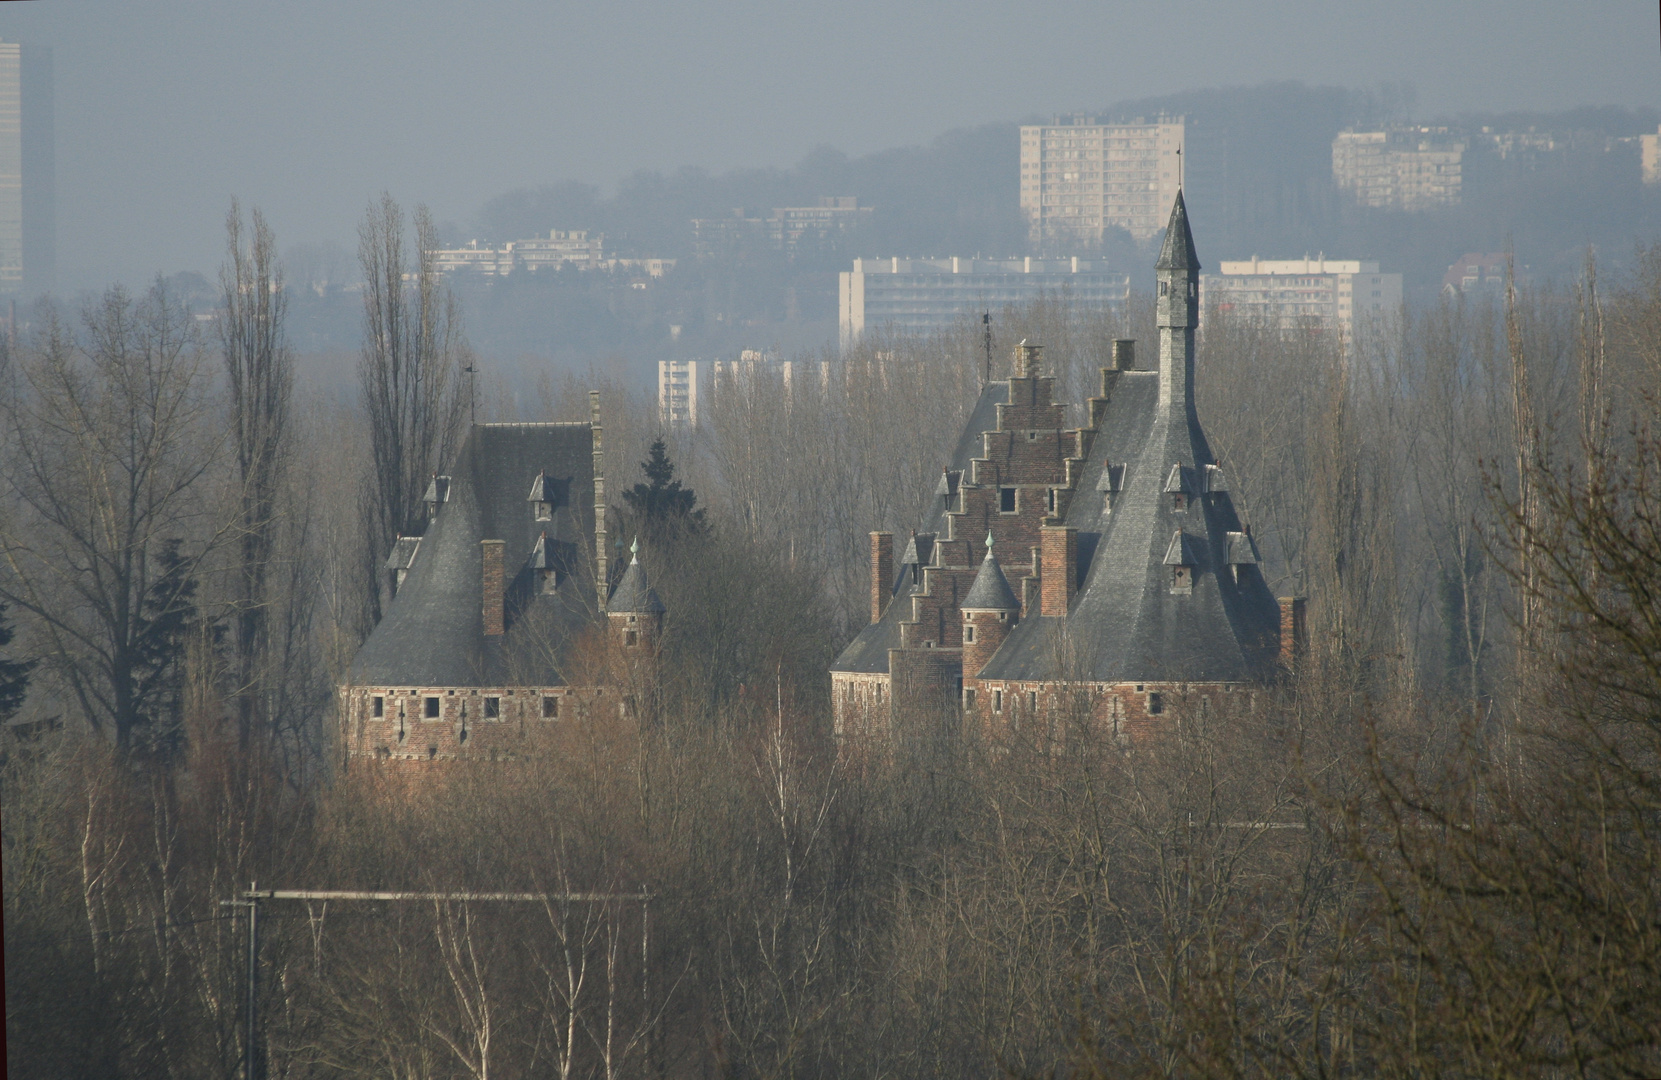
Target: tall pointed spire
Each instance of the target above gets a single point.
(1178, 252)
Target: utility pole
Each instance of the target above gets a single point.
(250, 1019)
(472, 370)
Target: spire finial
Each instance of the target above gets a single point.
(988, 543)
(634, 551)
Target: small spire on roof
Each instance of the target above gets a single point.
(988, 543)
(634, 551)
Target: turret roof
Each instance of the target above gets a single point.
(1178, 252)
(990, 591)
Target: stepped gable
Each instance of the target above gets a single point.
(1127, 624)
(868, 652)
(433, 632)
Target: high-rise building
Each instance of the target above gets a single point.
(1649, 157)
(1080, 177)
(924, 296)
(1411, 168)
(28, 247)
(1287, 293)
(686, 389)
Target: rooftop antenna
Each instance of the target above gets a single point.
(986, 324)
(1179, 168)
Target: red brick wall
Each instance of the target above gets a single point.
(990, 632)
(1294, 633)
(462, 731)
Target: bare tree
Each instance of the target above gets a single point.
(109, 437)
(260, 380)
(409, 372)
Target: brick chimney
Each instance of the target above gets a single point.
(1058, 570)
(1294, 632)
(882, 572)
(494, 618)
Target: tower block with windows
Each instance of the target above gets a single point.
(1123, 583)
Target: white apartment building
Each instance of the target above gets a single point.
(687, 389)
(1649, 156)
(1413, 168)
(561, 247)
(1342, 293)
(925, 296)
(1081, 177)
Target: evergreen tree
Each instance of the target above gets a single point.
(14, 674)
(662, 511)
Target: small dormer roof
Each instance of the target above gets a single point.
(947, 485)
(1182, 550)
(1180, 480)
(1242, 549)
(634, 594)
(1112, 478)
(919, 550)
(438, 490)
(990, 591)
(403, 553)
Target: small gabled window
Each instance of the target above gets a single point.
(492, 708)
(1179, 501)
(544, 511)
(1182, 579)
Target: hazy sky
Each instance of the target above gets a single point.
(165, 110)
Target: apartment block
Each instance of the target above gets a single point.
(925, 296)
(1287, 293)
(687, 389)
(1649, 156)
(1081, 177)
(1412, 168)
(786, 228)
(27, 180)
(572, 249)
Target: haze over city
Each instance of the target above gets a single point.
(309, 110)
(879, 540)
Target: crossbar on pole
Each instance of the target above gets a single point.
(351, 894)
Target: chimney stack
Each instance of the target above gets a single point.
(882, 572)
(1058, 571)
(1124, 354)
(1294, 632)
(494, 618)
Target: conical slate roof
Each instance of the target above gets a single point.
(991, 591)
(1178, 252)
(634, 595)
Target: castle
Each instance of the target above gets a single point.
(501, 626)
(1100, 570)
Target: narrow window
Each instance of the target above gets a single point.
(1006, 500)
(550, 707)
(377, 706)
(1032, 701)
(997, 701)
(492, 708)
(969, 699)
(631, 638)
(1049, 501)
(968, 633)
(1156, 703)
(430, 711)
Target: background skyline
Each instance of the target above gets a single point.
(307, 111)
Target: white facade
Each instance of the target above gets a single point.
(1414, 168)
(924, 296)
(1342, 293)
(1649, 155)
(1081, 178)
(11, 165)
(572, 248)
(686, 389)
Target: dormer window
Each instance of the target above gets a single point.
(1182, 579)
(1180, 560)
(544, 511)
(1179, 488)
(1179, 502)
